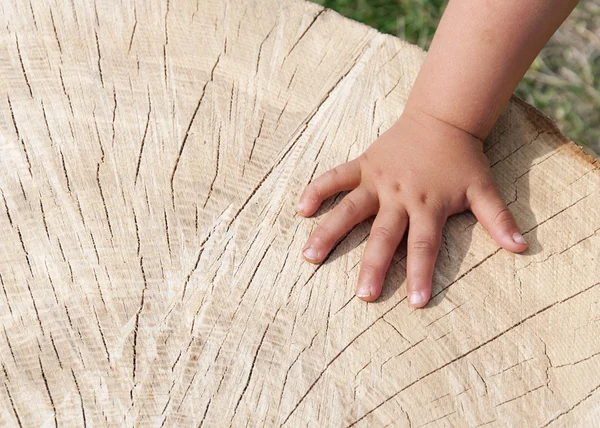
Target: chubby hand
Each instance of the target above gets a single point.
(420, 171)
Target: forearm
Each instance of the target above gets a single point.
(481, 50)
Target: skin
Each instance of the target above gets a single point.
(430, 164)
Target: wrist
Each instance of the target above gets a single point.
(429, 120)
(473, 112)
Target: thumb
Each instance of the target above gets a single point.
(493, 214)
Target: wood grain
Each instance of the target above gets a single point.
(150, 157)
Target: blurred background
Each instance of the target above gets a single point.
(563, 81)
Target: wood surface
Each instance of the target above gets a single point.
(151, 154)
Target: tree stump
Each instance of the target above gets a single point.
(151, 155)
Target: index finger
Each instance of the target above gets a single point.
(343, 177)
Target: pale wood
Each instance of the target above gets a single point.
(151, 154)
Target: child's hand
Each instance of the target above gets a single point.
(420, 171)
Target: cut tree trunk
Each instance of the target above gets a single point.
(151, 154)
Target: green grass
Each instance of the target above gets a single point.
(563, 81)
(412, 20)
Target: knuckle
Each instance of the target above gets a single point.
(429, 200)
(483, 186)
(333, 173)
(369, 270)
(314, 192)
(503, 217)
(423, 246)
(348, 206)
(371, 189)
(392, 192)
(416, 278)
(321, 234)
(382, 233)
(485, 182)
(437, 205)
(362, 162)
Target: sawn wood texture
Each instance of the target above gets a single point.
(151, 154)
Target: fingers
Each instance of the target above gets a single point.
(493, 214)
(386, 233)
(343, 177)
(424, 240)
(356, 206)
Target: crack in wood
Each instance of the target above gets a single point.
(62, 83)
(260, 48)
(475, 266)
(10, 398)
(23, 66)
(99, 63)
(6, 210)
(189, 127)
(109, 225)
(12, 116)
(10, 348)
(204, 414)
(80, 398)
(320, 375)
(413, 345)
(32, 15)
(102, 336)
(48, 391)
(298, 133)
(460, 357)
(558, 213)
(200, 251)
(55, 31)
(139, 162)
(560, 415)
(539, 133)
(212, 183)
(255, 270)
(56, 351)
(321, 12)
(135, 329)
(237, 404)
(186, 391)
(135, 23)
(26, 252)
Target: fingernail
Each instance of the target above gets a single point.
(416, 298)
(518, 238)
(311, 254)
(363, 291)
(300, 207)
